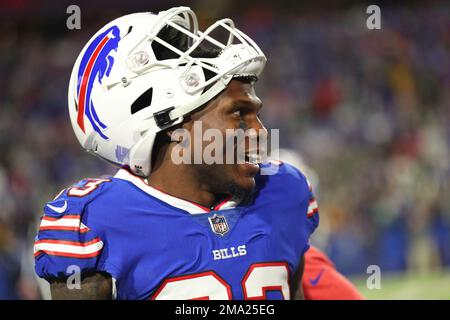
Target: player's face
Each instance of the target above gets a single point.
(237, 107)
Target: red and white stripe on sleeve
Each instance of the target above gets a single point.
(69, 222)
(313, 208)
(64, 248)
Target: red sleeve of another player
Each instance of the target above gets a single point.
(321, 280)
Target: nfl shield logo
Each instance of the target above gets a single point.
(219, 224)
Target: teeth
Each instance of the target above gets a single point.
(254, 158)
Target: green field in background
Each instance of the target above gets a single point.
(405, 286)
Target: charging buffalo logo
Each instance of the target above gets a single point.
(96, 63)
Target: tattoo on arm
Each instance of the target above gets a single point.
(96, 286)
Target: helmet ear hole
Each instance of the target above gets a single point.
(144, 101)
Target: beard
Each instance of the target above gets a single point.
(242, 195)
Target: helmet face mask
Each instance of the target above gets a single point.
(132, 81)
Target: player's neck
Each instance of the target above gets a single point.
(181, 182)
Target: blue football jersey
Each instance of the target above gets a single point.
(156, 246)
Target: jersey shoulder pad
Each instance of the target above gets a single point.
(74, 199)
(65, 238)
(285, 175)
(290, 183)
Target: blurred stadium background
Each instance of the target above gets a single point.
(368, 111)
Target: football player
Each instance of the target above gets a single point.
(160, 229)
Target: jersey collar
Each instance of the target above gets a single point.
(191, 207)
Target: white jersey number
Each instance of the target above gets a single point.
(89, 186)
(260, 278)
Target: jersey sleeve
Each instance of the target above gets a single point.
(302, 189)
(309, 210)
(312, 208)
(289, 186)
(295, 186)
(65, 241)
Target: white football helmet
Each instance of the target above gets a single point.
(121, 95)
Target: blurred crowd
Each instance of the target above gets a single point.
(367, 110)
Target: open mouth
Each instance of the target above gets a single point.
(252, 158)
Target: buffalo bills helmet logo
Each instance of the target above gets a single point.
(96, 63)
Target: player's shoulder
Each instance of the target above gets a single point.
(282, 170)
(77, 196)
(285, 185)
(67, 235)
(284, 176)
